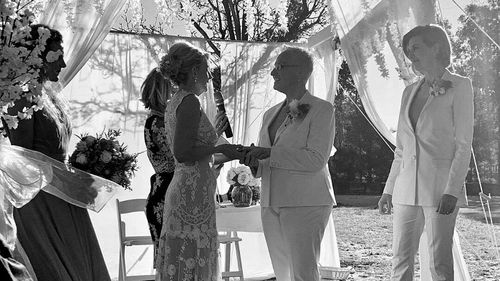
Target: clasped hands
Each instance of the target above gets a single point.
(247, 155)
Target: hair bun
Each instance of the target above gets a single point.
(182, 57)
(170, 67)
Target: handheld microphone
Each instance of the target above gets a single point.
(219, 101)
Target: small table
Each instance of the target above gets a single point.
(254, 254)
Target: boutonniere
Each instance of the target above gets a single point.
(297, 110)
(439, 87)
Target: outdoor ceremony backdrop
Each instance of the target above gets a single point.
(105, 72)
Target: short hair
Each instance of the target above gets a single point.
(302, 55)
(55, 37)
(182, 57)
(155, 90)
(431, 34)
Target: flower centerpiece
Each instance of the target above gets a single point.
(242, 183)
(20, 60)
(105, 157)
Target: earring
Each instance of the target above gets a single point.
(196, 79)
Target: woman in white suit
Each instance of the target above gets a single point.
(433, 148)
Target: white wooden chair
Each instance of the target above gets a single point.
(125, 207)
(228, 238)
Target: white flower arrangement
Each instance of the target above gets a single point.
(20, 66)
(242, 175)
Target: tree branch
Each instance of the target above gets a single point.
(227, 12)
(205, 35)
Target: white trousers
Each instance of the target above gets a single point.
(408, 224)
(293, 236)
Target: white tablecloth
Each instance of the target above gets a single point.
(254, 254)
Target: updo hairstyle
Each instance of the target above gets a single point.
(181, 59)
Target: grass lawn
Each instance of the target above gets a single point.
(365, 237)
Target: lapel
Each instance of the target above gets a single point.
(267, 122)
(306, 98)
(410, 100)
(446, 76)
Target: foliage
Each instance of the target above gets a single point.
(20, 60)
(244, 20)
(477, 57)
(362, 156)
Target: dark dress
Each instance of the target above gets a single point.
(162, 160)
(57, 236)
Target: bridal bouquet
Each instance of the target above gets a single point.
(19, 61)
(105, 157)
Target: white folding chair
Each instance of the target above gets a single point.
(227, 239)
(125, 207)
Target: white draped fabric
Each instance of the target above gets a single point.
(24, 172)
(371, 32)
(83, 24)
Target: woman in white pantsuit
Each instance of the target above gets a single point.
(433, 147)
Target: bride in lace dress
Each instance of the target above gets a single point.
(188, 242)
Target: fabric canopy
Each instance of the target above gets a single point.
(83, 24)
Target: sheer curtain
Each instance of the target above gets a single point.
(84, 24)
(371, 32)
(323, 82)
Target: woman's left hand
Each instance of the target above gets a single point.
(447, 204)
(221, 123)
(231, 151)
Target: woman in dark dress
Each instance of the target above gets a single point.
(155, 93)
(57, 236)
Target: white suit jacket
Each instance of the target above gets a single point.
(433, 159)
(296, 173)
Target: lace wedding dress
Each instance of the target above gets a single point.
(188, 242)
